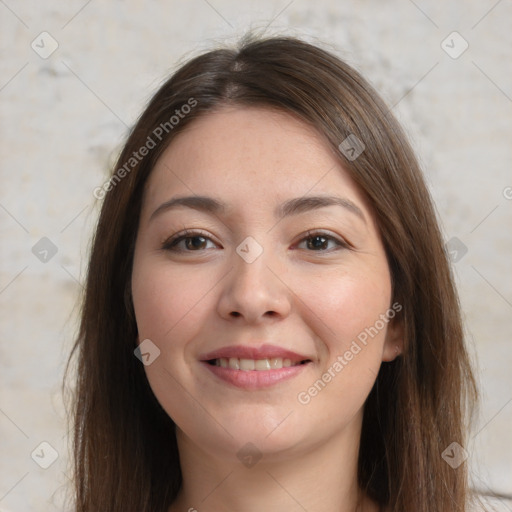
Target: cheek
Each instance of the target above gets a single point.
(344, 305)
(347, 310)
(168, 301)
(350, 335)
(170, 306)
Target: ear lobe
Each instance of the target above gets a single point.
(394, 342)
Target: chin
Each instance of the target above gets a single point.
(249, 434)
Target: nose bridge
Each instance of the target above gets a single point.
(250, 266)
(251, 274)
(253, 290)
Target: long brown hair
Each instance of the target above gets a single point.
(125, 452)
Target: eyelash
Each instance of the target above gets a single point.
(171, 243)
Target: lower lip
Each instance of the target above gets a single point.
(254, 379)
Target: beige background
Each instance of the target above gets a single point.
(63, 118)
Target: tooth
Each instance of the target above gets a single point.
(246, 364)
(262, 364)
(234, 363)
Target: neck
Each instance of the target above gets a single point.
(319, 478)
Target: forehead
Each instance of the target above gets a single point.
(254, 155)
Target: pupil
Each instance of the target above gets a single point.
(317, 242)
(195, 242)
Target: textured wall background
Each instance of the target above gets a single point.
(75, 75)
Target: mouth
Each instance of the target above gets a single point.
(250, 368)
(259, 365)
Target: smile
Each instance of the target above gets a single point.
(260, 365)
(249, 367)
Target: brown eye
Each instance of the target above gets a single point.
(321, 242)
(317, 242)
(195, 242)
(187, 242)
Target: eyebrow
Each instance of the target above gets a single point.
(294, 206)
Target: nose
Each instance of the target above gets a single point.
(253, 292)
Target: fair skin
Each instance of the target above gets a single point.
(312, 294)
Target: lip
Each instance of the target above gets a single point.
(253, 379)
(251, 352)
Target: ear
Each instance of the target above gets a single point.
(394, 342)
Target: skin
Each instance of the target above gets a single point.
(315, 301)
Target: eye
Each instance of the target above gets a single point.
(319, 241)
(193, 241)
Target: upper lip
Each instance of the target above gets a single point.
(252, 352)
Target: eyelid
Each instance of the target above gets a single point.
(310, 233)
(170, 243)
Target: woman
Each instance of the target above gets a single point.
(269, 320)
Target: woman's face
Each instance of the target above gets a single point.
(271, 310)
